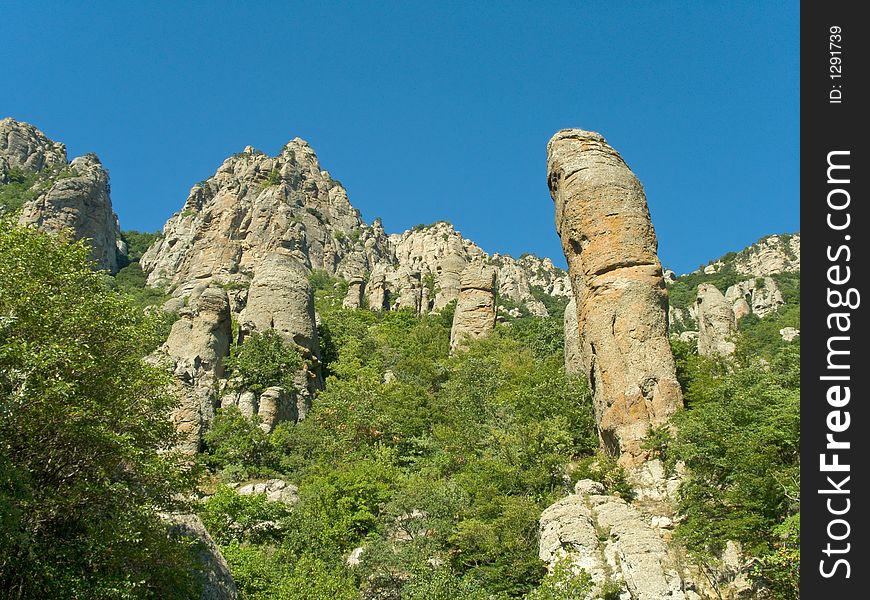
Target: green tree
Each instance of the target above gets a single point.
(87, 459)
(263, 360)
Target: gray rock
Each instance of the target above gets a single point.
(573, 353)
(213, 572)
(275, 490)
(716, 323)
(475, 308)
(23, 146)
(789, 334)
(610, 539)
(70, 199)
(762, 295)
(355, 292)
(196, 347)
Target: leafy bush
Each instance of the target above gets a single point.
(238, 447)
(87, 459)
(263, 360)
(229, 517)
(17, 190)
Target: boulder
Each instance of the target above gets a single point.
(213, 572)
(355, 292)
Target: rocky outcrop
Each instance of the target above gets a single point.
(573, 354)
(78, 201)
(610, 245)
(355, 296)
(275, 490)
(23, 146)
(475, 308)
(770, 255)
(212, 572)
(69, 197)
(789, 334)
(255, 205)
(281, 298)
(612, 541)
(762, 295)
(716, 323)
(377, 295)
(741, 308)
(196, 347)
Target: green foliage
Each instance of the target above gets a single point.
(780, 569)
(237, 447)
(138, 242)
(450, 459)
(263, 360)
(87, 459)
(131, 282)
(322, 280)
(17, 190)
(740, 441)
(442, 584)
(268, 573)
(545, 337)
(273, 178)
(229, 517)
(555, 305)
(563, 584)
(605, 470)
(316, 213)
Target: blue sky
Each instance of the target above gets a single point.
(429, 110)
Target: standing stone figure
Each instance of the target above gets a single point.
(603, 221)
(475, 308)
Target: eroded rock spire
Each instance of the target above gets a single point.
(603, 221)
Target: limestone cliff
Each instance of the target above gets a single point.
(65, 197)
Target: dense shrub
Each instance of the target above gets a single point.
(87, 460)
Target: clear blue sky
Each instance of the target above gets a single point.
(429, 110)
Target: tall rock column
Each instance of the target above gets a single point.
(603, 221)
(196, 347)
(716, 322)
(475, 308)
(573, 355)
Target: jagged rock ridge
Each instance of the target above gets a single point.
(67, 197)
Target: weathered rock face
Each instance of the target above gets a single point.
(610, 245)
(275, 490)
(80, 203)
(23, 146)
(377, 295)
(213, 572)
(254, 205)
(440, 252)
(716, 323)
(475, 307)
(610, 539)
(762, 295)
(196, 347)
(573, 354)
(70, 197)
(281, 298)
(770, 255)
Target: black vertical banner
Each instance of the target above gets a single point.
(835, 227)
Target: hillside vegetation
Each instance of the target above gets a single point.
(436, 466)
